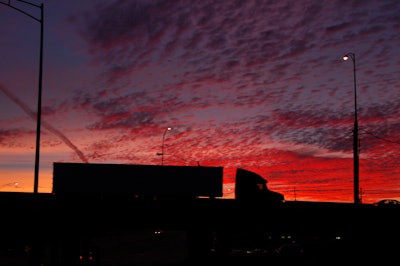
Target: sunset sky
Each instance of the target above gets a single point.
(259, 85)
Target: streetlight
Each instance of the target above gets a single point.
(39, 106)
(162, 145)
(355, 132)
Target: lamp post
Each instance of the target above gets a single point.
(355, 132)
(162, 145)
(39, 106)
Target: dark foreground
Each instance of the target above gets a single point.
(44, 230)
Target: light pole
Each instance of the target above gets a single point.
(162, 145)
(39, 106)
(355, 132)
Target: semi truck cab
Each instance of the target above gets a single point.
(250, 186)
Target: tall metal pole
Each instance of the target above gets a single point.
(39, 106)
(162, 145)
(355, 133)
(36, 259)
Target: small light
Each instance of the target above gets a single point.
(346, 57)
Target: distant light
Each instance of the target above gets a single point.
(345, 58)
(169, 128)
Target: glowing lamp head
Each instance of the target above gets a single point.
(349, 55)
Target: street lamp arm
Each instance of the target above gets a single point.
(24, 12)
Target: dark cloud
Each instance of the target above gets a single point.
(10, 137)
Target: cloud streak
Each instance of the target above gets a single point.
(46, 125)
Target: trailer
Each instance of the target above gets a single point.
(141, 181)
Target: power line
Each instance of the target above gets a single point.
(383, 139)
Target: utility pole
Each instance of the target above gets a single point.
(355, 132)
(39, 103)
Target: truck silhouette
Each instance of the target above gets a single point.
(250, 186)
(126, 214)
(156, 181)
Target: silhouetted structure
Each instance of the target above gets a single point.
(135, 180)
(80, 226)
(252, 186)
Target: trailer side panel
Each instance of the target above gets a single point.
(139, 180)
